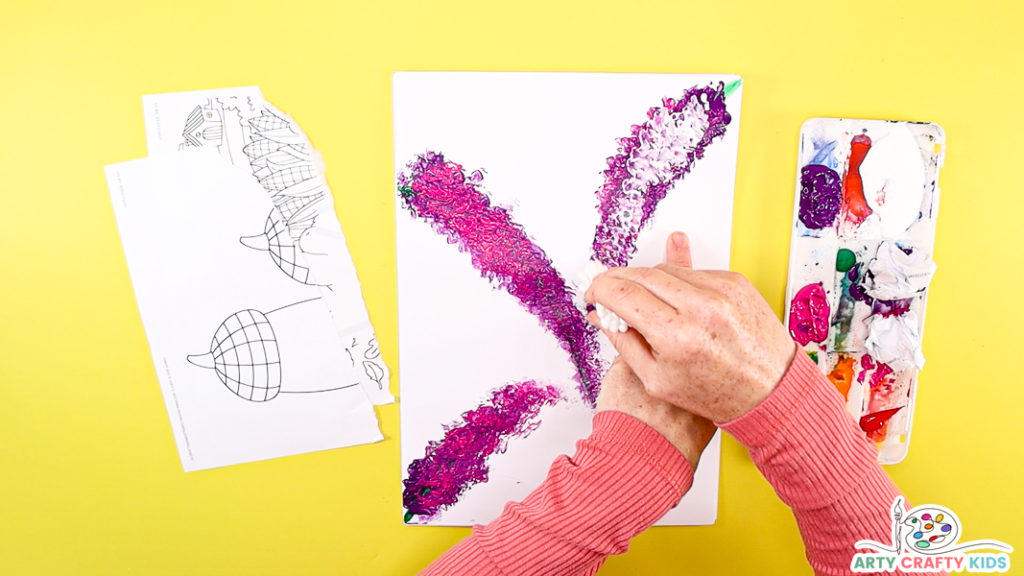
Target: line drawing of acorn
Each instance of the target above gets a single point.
(284, 249)
(245, 355)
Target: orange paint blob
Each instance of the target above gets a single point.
(842, 375)
(854, 205)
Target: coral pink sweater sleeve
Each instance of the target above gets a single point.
(821, 465)
(625, 476)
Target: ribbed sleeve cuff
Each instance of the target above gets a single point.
(623, 477)
(620, 431)
(802, 384)
(803, 440)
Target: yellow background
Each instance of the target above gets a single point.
(90, 481)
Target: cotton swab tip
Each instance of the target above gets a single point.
(610, 321)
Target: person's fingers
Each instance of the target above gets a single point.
(677, 251)
(633, 349)
(631, 301)
(672, 290)
(712, 280)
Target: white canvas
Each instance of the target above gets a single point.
(542, 141)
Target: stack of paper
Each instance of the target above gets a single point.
(250, 301)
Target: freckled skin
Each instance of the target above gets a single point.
(705, 341)
(623, 391)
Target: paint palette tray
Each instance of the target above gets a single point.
(860, 262)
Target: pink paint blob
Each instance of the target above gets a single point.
(808, 315)
(881, 373)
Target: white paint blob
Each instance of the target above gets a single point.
(893, 177)
(896, 341)
(894, 274)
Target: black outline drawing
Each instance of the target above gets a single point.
(371, 365)
(281, 160)
(246, 358)
(248, 132)
(284, 249)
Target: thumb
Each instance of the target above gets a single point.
(677, 251)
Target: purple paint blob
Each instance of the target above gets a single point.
(886, 308)
(439, 191)
(857, 290)
(459, 460)
(821, 195)
(657, 153)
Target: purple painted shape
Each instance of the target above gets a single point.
(439, 191)
(884, 307)
(820, 196)
(459, 460)
(658, 152)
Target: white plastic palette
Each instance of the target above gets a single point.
(860, 262)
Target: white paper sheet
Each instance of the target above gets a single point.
(243, 129)
(542, 141)
(277, 385)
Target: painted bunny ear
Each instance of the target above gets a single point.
(437, 190)
(245, 356)
(656, 154)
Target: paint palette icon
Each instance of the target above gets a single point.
(932, 529)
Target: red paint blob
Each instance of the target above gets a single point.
(854, 205)
(874, 422)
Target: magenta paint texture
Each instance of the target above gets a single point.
(808, 315)
(650, 160)
(459, 460)
(439, 191)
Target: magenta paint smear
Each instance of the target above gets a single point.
(651, 159)
(459, 460)
(881, 373)
(808, 315)
(439, 191)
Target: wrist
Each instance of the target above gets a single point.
(762, 382)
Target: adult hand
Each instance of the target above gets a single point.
(705, 341)
(622, 391)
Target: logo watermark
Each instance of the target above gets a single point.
(927, 539)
